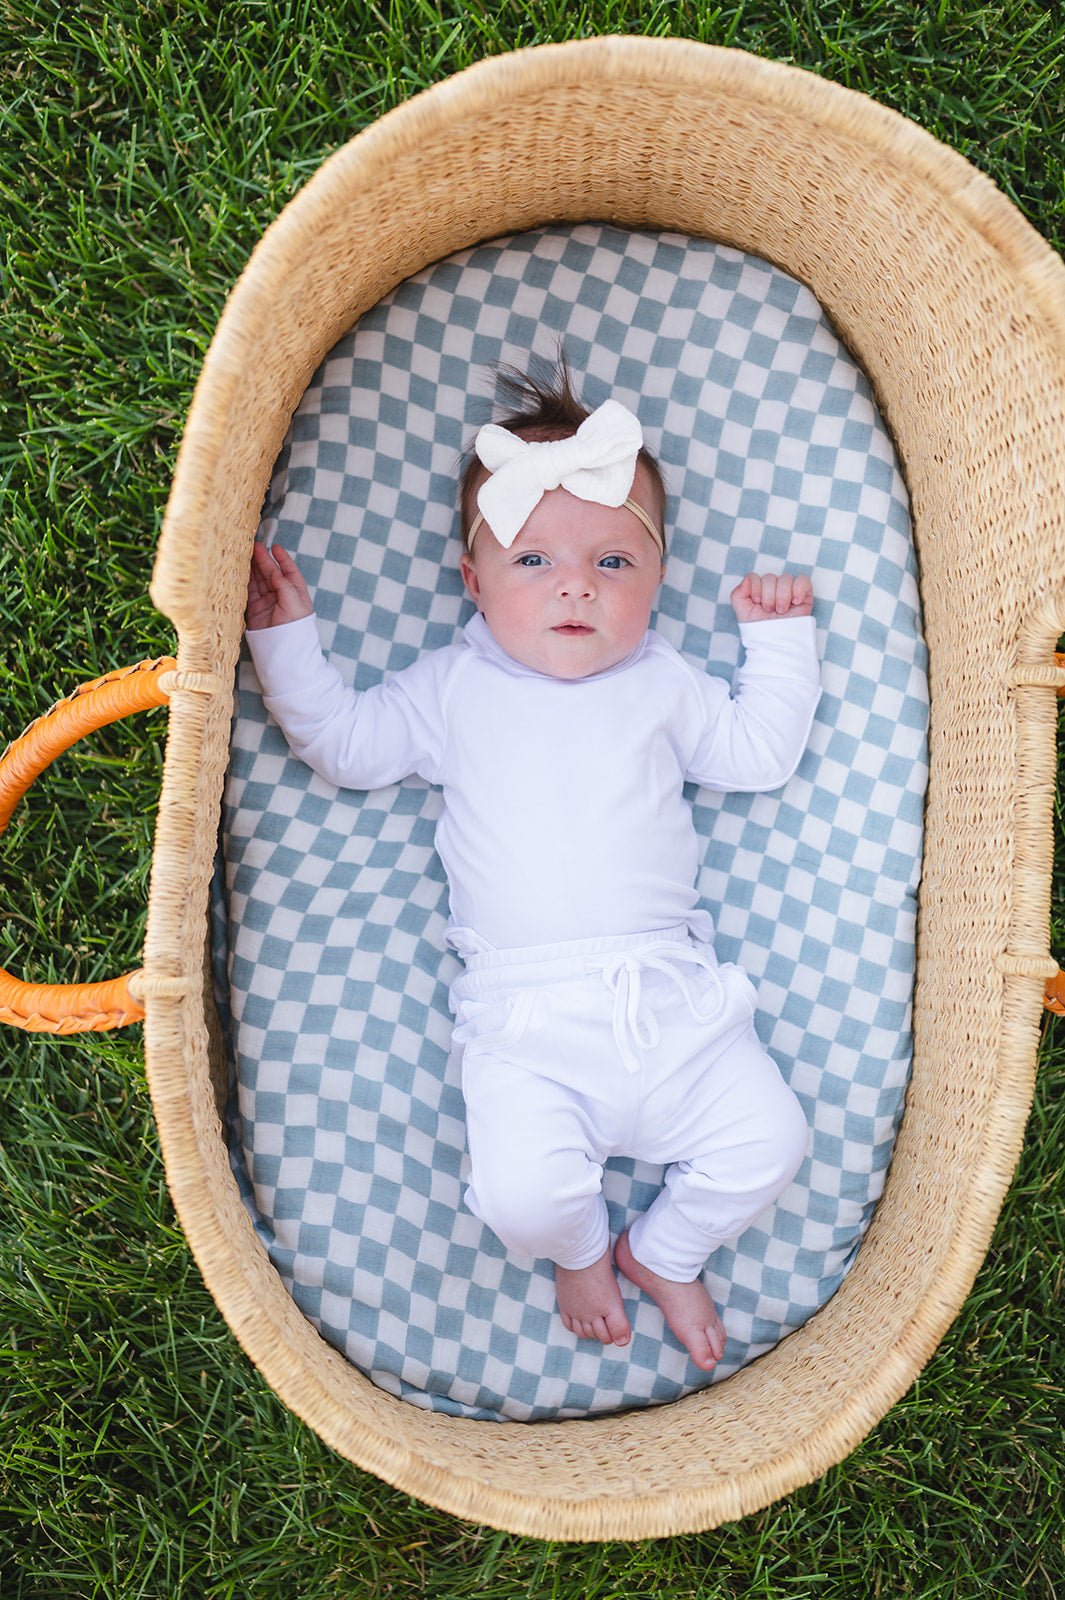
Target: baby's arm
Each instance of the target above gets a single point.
(754, 738)
(356, 740)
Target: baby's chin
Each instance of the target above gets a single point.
(575, 656)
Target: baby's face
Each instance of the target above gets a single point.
(573, 594)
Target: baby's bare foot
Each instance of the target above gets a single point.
(687, 1307)
(590, 1302)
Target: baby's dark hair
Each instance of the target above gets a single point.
(543, 406)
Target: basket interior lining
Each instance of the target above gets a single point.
(364, 491)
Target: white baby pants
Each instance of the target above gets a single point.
(640, 1046)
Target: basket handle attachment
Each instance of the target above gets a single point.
(69, 1007)
(1054, 997)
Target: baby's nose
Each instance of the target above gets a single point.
(576, 581)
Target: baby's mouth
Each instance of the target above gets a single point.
(573, 630)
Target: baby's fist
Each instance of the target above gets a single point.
(768, 597)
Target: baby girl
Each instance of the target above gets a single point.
(594, 1017)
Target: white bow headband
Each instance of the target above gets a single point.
(597, 463)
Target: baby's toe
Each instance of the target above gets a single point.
(618, 1330)
(707, 1346)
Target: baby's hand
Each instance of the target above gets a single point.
(764, 599)
(276, 590)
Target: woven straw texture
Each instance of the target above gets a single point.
(956, 310)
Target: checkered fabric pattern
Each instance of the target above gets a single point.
(348, 1118)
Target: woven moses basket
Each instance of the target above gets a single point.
(956, 310)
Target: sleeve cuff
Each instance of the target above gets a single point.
(284, 655)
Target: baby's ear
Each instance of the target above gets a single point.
(469, 578)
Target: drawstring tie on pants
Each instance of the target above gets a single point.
(623, 976)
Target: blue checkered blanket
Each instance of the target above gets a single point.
(347, 1115)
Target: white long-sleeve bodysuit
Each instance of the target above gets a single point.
(594, 1016)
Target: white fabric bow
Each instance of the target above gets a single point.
(597, 463)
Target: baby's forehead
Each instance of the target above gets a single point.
(569, 515)
(566, 524)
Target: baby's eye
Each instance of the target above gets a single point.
(530, 561)
(615, 563)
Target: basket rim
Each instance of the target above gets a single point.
(689, 64)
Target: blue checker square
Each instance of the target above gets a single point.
(330, 913)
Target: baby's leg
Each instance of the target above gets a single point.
(758, 1139)
(537, 1184)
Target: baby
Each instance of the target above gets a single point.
(594, 1016)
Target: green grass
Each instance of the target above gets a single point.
(145, 147)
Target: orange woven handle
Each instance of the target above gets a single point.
(71, 1007)
(1054, 998)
